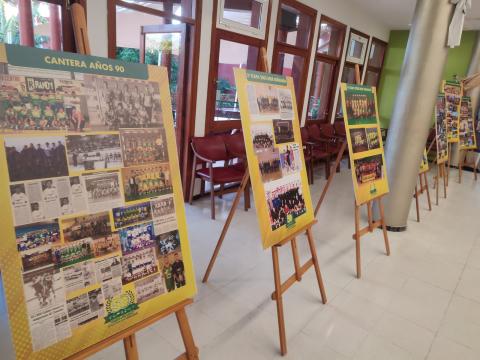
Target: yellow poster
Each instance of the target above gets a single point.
(467, 136)
(424, 163)
(365, 143)
(441, 129)
(93, 223)
(453, 96)
(274, 152)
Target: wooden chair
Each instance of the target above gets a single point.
(210, 152)
(325, 134)
(314, 152)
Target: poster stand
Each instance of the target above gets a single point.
(418, 191)
(128, 335)
(441, 173)
(280, 287)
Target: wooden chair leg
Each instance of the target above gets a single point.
(222, 188)
(212, 200)
(311, 171)
(192, 181)
(279, 300)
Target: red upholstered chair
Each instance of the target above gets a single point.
(314, 152)
(235, 145)
(209, 151)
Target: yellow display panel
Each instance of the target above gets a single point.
(453, 95)
(441, 134)
(424, 167)
(93, 219)
(467, 135)
(365, 143)
(274, 152)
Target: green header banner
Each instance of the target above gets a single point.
(65, 61)
(266, 78)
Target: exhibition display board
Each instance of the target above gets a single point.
(274, 152)
(467, 136)
(365, 143)
(424, 162)
(94, 228)
(441, 136)
(453, 96)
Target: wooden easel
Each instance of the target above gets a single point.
(462, 163)
(447, 172)
(423, 188)
(441, 173)
(280, 287)
(128, 335)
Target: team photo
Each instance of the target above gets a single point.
(143, 146)
(146, 181)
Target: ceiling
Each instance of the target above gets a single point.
(398, 14)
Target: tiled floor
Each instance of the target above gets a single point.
(422, 302)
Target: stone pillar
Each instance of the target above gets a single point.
(420, 78)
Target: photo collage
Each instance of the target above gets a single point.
(453, 97)
(441, 129)
(94, 212)
(84, 102)
(277, 152)
(365, 141)
(467, 138)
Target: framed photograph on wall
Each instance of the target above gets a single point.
(357, 48)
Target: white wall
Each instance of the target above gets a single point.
(97, 27)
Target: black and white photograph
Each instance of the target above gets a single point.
(286, 103)
(103, 191)
(93, 152)
(138, 265)
(168, 242)
(164, 216)
(143, 146)
(43, 288)
(108, 268)
(126, 103)
(112, 287)
(262, 137)
(263, 101)
(79, 276)
(283, 130)
(31, 158)
(20, 204)
(149, 288)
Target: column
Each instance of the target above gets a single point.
(25, 22)
(420, 79)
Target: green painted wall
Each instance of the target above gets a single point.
(457, 64)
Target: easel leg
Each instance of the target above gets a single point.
(447, 172)
(370, 217)
(384, 226)
(416, 203)
(191, 349)
(313, 250)
(421, 184)
(445, 180)
(279, 300)
(437, 182)
(296, 260)
(241, 189)
(130, 346)
(460, 166)
(357, 241)
(428, 192)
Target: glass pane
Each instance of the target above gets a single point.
(231, 55)
(348, 75)
(164, 49)
(170, 6)
(9, 33)
(291, 65)
(321, 90)
(372, 78)
(245, 12)
(377, 53)
(331, 39)
(47, 25)
(295, 27)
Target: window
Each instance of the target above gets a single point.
(44, 24)
(326, 70)
(294, 37)
(235, 44)
(375, 62)
(247, 17)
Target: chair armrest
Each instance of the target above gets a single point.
(210, 161)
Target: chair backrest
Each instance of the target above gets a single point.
(339, 127)
(327, 129)
(211, 147)
(304, 134)
(235, 145)
(314, 131)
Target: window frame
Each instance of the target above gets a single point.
(282, 47)
(233, 26)
(375, 69)
(336, 61)
(212, 126)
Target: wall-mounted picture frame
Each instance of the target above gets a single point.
(244, 17)
(357, 48)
